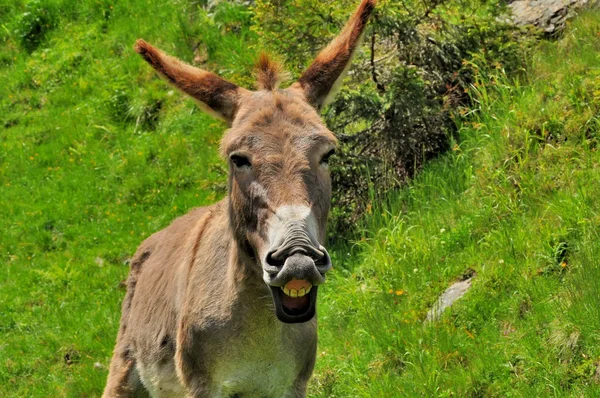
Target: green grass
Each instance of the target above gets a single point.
(518, 202)
(97, 153)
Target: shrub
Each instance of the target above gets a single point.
(33, 25)
(395, 110)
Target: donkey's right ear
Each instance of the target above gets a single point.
(216, 96)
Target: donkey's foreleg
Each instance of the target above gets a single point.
(189, 363)
(123, 379)
(300, 384)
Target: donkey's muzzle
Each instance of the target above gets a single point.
(294, 283)
(299, 265)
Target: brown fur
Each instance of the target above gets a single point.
(320, 79)
(197, 307)
(217, 96)
(268, 73)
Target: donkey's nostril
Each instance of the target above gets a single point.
(321, 261)
(320, 258)
(274, 261)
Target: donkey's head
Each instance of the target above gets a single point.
(278, 151)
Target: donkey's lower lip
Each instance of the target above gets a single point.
(294, 309)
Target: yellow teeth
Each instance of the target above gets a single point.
(303, 291)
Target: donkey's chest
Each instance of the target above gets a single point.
(254, 377)
(264, 364)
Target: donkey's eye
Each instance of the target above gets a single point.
(240, 161)
(325, 158)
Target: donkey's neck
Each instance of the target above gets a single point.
(244, 270)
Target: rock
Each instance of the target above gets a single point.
(453, 293)
(597, 374)
(212, 3)
(547, 15)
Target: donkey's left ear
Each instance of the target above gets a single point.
(321, 80)
(215, 95)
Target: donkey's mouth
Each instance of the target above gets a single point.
(295, 302)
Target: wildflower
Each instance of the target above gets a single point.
(469, 333)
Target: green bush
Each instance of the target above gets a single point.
(33, 25)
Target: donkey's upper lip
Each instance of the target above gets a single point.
(296, 267)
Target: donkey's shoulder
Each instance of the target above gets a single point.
(171, 240)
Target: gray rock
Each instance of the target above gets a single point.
(547, 15)
(453, 293)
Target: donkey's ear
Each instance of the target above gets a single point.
(216, 96)
(321, 80)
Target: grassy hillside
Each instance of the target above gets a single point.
(96, 154)
(517, 203)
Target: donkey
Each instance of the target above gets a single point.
(222, 302)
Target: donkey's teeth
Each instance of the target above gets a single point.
(300, 291)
